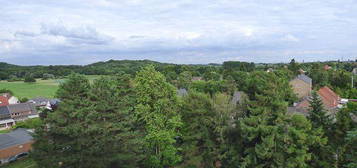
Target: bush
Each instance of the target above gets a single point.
(6, 91)
(46, 76)
(13, 78)
(24, 100)
(30, 123)
(29, 78)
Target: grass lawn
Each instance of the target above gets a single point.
(5, 131)
(23, 163)
(41, 88)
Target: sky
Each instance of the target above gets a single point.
(44, 32)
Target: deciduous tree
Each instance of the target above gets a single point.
(156, 109)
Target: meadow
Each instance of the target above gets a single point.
(41, 88)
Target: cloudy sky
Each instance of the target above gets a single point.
(182, 31)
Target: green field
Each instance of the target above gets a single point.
(23, 163)
(42, 88)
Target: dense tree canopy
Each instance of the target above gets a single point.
(156, 109)
(91, 127)
(235, 115)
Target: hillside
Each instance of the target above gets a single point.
(98, 68)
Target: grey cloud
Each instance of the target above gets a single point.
(77, 35)
(25, 33)
(136, 36)
(186, 31)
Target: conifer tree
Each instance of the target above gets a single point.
(343, 125)
(90, 128)
(157, 109)
(318, 115)
(60, 141)
(351, 149)
(322, 155)
(271, 138)
(199, 136)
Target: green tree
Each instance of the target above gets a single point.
(293, 66)
(230, 85)
(184, 79)
(211, 75)
(270, 137)
(318, 115)
(351, 147)
(24, 99)
(61, 142)
(199, 136)
(344, 124)
(319, 76)
(90, 128)
(6, 91)
(321, 121)
(156, 109)
(29, 78)
(4, 76)
(46, 76)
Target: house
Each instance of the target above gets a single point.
(44, 102)
(329, 98)
(14, 143)
(39, 101)
(22, 111)
(5, 118)
(301, 107)
(327, 67)
(354, 71)
(301, 85)
(4, 101)
(11, 99)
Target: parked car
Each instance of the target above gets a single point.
(19, 156)
(12, 159)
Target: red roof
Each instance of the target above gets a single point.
(328, 97)
(327, 67)
(4, 101)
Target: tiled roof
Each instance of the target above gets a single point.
(304, 78)
(328, 97)
(16, 137)
(39, 101)
(301, 107)
(4, 113)
(21, 107)
(4, 101)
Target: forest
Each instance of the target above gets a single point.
(158, 115)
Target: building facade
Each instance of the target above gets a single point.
(301, 86)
